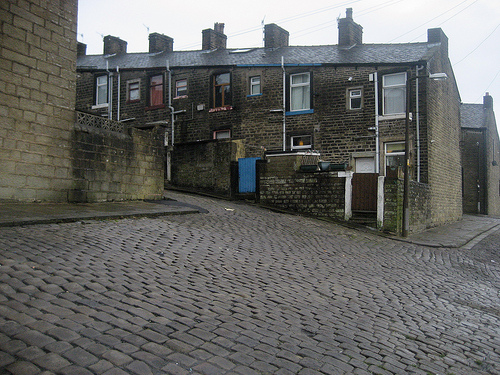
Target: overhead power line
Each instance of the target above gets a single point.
(479, 45)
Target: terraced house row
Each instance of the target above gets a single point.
(345, 102)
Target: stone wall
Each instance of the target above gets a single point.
(419, 206)
(37, 96)
(113, 166)
(205, 165)
(320, 194)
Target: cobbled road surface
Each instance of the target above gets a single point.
(242, 290)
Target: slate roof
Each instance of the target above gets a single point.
(472, 116)
(364, 54)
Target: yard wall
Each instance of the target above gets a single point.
(205, 165)
(283, 186)
(114, 166)
(419, 206)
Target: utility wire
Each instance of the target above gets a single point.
(489, 85)
(479, 45)
(425, 23)
(442, 23)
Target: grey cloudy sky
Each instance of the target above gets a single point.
(472, 26)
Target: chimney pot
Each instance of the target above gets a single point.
(350, 33)
(214, 39)
(81, 49)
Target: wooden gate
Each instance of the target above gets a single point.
(364, 192)
(247, 175)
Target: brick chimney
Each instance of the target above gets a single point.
(160, 43)
(437, 35)
(350, 33)
(113, 44)
(487, 101)
(275, 36)
(81, 49)
(214, 39)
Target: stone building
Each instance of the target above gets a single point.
(480, 158)
(37, 98)
(48, 152)
(347, 101)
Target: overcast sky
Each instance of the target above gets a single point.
(472, 26)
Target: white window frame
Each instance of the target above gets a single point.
(353, 94)
(304, 146)
(388, 88)
(392, 154)
(181, 84)
(255, 88)
(138, 89)
(99, 103)
(304, 88)
(222, 134)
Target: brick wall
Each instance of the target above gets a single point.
(37, 96)
(114, 166)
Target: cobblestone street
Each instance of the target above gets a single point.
(242, 290)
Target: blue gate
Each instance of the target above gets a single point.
(247, 174)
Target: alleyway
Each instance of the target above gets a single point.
(242, 290)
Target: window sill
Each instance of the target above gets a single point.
(392, 117)
(133, 101)
(303, 112)
(253, 95)
(98, 106)
(180, 97)
(221, 109)
(155, 107)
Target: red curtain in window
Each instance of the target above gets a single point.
(156, 91)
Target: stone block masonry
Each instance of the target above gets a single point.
(113, 166)
(37, 98)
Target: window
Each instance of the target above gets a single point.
(156, 90)
(394, 159)
(133, 91)
(221, 95)
(300, 142)
(255, 85)
(394, 93)
(181, 88)
(300, 92)
(101, 91)
(222, 134)
(355, 98)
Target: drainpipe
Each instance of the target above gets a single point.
(417, 119)
(110, 91)
(284, 102)
(119, 84)
(172, 112)
(377, 143)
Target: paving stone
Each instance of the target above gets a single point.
(116, 357)
(75, 370)
(23, 368)
(139, 368)
(5, 359)
(52, 362)
(80, 357)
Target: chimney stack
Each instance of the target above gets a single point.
(437, 35)
(214, 39)
(113, 44)
(160, 43)
(488, 101)
(81, 49)
(350, 33)
(275, 36)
